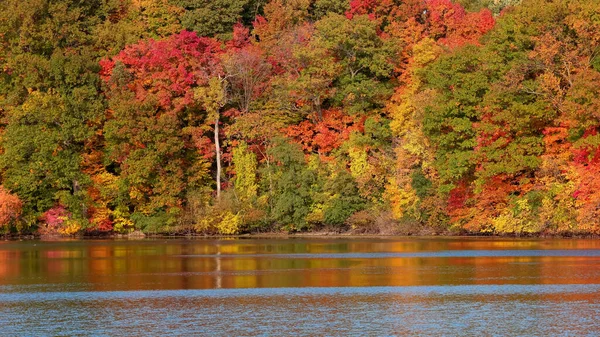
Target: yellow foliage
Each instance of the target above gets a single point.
(205, 223)
(107, 183)
(121, 223)
(425, 52)
(230, 224)
(403, 199)
(413, 148)
(359, 165)
(136, 194)
(225, 223)
(70, 227)
(559, 212)
(212, 96)
(519, 221)
(101, 213)
(316, 215)
(245, 164)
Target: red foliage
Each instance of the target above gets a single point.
(588, 195)
(452, 26)
(555, 138)
(476, 210)
(458, 196)
(490, 135)
(168, 68)
(164, 73)
(326, 135)
(587, 155)
(241, 37)
(587, 165)
(53, 219)
(443, 20)
(386, 10)
(361, 7)
(102, 223)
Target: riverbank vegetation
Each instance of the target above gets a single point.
(245, 116)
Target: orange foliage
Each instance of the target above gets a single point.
(10, 207)
(326, 135)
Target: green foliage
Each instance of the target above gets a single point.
(420, 183)
(290, 186)
(210, 18)
(42, 143)
(343, 198)
(52, 106)
(448, 121)
(321, 8)
(367, 60)
(158, 222)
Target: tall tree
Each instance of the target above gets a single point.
(156, 132)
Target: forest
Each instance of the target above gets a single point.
(251, 116)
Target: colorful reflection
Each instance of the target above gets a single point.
(315, 262)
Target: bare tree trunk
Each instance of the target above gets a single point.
(218, 152)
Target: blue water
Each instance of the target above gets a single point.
(488, 310)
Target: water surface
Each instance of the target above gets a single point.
(300, 286)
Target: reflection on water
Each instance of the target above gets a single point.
(301, 286)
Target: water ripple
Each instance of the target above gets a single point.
(504, 289)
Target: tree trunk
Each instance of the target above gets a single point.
(218, 153)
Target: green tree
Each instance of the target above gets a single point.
(211, 18)
(290, 188)
(321, 8)
(343, 198)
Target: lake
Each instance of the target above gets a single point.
(301, 286)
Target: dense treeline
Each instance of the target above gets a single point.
(232, 116)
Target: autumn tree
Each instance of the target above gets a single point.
(247, 69)
(163, 97)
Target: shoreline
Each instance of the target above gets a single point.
(284, 235)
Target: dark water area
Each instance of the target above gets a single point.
(301, 287)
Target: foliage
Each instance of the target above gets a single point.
(156, 131)
(245, 164)
(57, 220)
(209, 18)
(226, 117)
(10, 208)
(292, 181)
